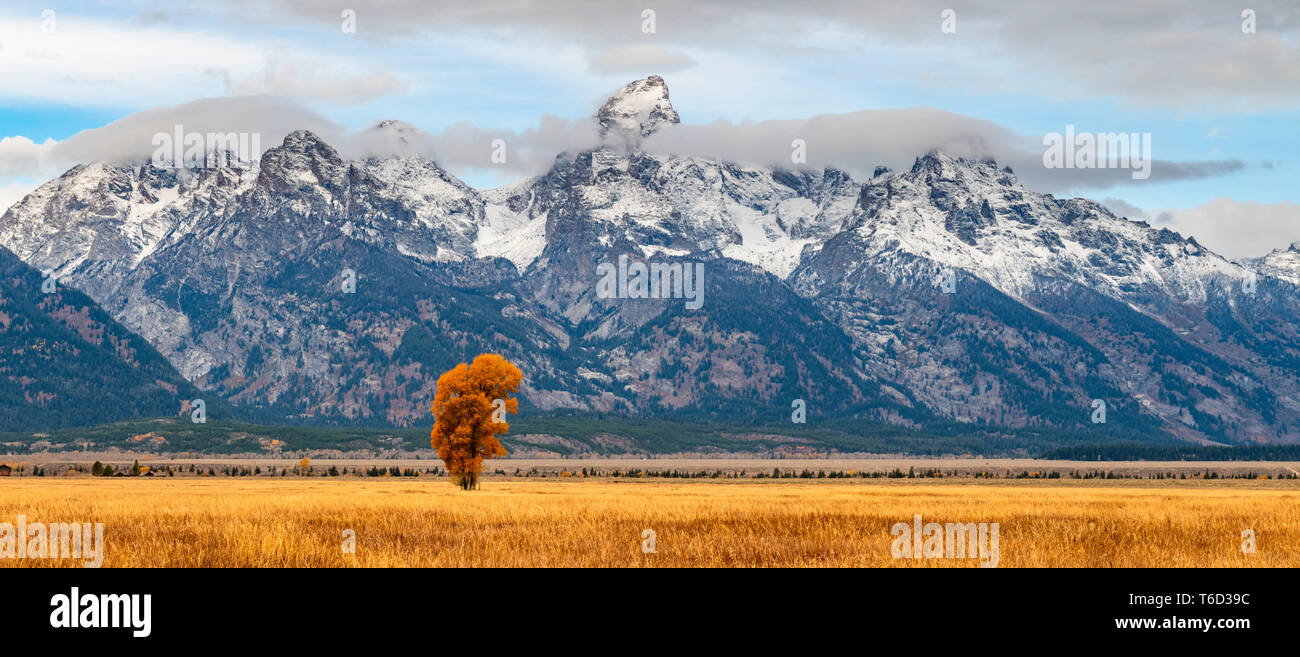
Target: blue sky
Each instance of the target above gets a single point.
(1221, 103)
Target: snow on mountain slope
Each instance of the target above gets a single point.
(508, 231)
(106, 218)
(113, 198)
(693, 205)
(975, 217)
(1283, 264)
(813, 277)
(435, 214)
(111, 217)
(636, 111)
(1155, 324)
(658, 203)
(98, 221)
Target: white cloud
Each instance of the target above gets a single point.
(528, 152)
(96, 63)
(299, 78)
(21, 156)
(639, 60)
(860, 141)
(1175, 55)
(1231, 228)
(13, 192)
(1235, 229)
(1122, 208)
(87, 61)
(1168, 54)
(857, 142)
(854, 141)
(132, 137)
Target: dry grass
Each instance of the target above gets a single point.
(428, 522)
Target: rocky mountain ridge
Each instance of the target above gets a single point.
(945, 293)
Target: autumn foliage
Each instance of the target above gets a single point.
(468, 416)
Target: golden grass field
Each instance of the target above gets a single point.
(509, 522)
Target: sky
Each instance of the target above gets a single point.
(1215, 86)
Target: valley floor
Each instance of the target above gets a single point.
(425, 521)
(57, 463)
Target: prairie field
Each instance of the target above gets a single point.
(599, 522)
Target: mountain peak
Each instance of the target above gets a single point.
(303, 140)
(302, 161)
(959, 169)
(637, 110)
(936, 159)
(393, 138)
(1294, 247)
(394, 127)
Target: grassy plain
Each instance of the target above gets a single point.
(425, 521)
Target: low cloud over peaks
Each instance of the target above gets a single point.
(855, 141)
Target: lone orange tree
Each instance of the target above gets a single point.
(469, 412)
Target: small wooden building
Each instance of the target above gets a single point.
(5, 470)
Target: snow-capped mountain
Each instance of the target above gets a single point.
(1283, 264)
(636, 111)
(1020, 307)
(101, 220)
(975, 217)
(236, 275)
(944, 293)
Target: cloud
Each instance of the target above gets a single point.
(13, 192)
(465, 146)
(460, 146)
(1188, 55)
(131, 139)
(640, 59)
(1236, 229)
(1166, 54)
(860, 141)
(90, 62)
(528, 152)
(1122, 208)
(152, 59)
(299, 78)
(857, 142)
(21, 156)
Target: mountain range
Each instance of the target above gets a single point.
(305, 287)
